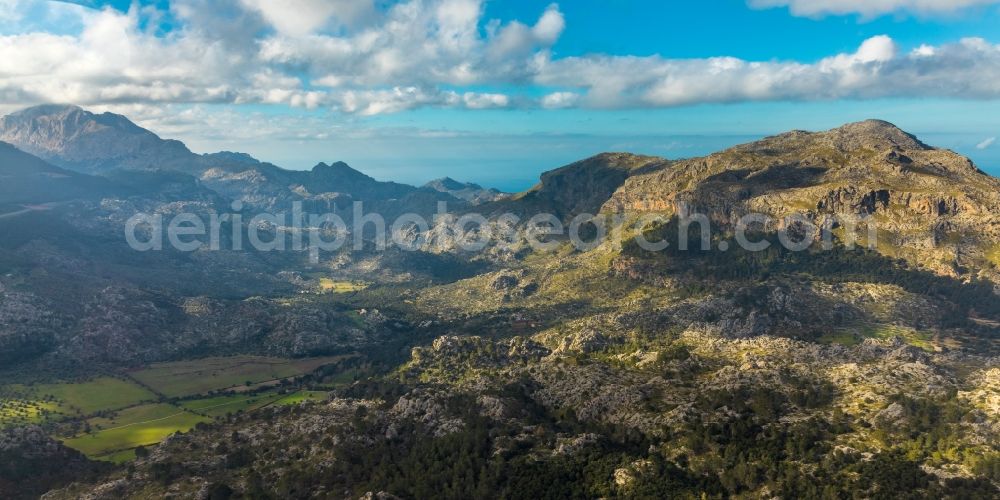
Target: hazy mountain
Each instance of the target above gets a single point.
(30, 180)
(470, 192)
(73, 138)
(338, 177)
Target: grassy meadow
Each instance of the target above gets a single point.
(138, 426)
(107, 418)
(38, 404)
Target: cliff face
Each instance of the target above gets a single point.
(931, 206)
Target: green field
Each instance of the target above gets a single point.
(302, 396)
(104, 393)
(34, 404)
(138, 426)
(119, 457)
(331, 286)
(16, 411)
(133, 415)
(221, 406)
(107, 418)
(853, 336)
(922, 340)
(846, 338)
(189, 378)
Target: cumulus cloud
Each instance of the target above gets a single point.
(875, 70)
(355, 58)
(219, 55)
(986, 144)
(870, 8)
(558, 100)
(302, 17)
(374, 102)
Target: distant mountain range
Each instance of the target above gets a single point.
(472, 193)
(73, 139)
(69, 137)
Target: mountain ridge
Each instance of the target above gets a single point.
(70, 137)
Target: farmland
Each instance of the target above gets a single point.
(220, 406)
(330, 286)
(137, 426)
(108, 417)
(188, 378)
(36, 404)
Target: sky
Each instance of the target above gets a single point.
(496, 92)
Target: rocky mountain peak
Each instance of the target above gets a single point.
(49, 110)
(874, 134)
(335, 166)
(231, 157)
(74, 138)
(449, 184)
(339, 170)
(468, 191)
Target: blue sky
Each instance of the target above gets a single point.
(498, 91)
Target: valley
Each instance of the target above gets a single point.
(517, 370)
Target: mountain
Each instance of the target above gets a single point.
(73, 138)
(605, 372)
(932, 206)
(324, 188)
(581, 187)
(339, 177)
(30, 180)
(472, 193)
(76, 139)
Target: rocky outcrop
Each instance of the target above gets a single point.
(869, 170)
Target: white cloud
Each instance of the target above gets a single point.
(557, 100)
(375, 102)
(302, 17)
(551, 25)
(436, 53)
(475, 100)
(219, 55)
(967, 69)
(870, 8)
(986, 144)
